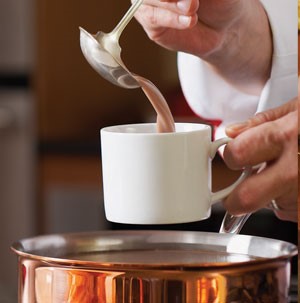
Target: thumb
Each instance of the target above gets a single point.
(234, 130)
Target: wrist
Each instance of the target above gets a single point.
(242, 53)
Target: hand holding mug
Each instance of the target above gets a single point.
(271, 138)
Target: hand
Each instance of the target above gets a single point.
(269, 137)
(228, 34)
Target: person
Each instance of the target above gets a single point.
(237, 62)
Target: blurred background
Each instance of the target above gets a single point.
(52, 106)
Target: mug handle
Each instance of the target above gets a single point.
(230, 224)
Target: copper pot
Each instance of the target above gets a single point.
(153, 267)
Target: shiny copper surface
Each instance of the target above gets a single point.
(60, 284)
(91, 275)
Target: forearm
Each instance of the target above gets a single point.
(243, 56)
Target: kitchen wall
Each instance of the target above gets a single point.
(17, 137)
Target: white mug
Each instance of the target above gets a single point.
(159, 178)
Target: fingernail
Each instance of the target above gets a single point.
(185, 20)
(183, 5)
(237, 126)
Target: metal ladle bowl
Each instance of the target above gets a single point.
(103, 52)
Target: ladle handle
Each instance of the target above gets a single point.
(117, 31)
(233, 224)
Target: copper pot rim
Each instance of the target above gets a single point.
(21, 249)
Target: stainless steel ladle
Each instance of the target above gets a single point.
(233, 224)
(103, 52)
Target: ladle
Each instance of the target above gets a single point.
(233, 224)
(103, 52)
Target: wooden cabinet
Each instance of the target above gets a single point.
(73, 100)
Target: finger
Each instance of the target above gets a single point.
(262, 117)
(153, 18)
(256, 145)
(287, 215)
(258, 190)
(185, 7)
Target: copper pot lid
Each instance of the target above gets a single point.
(153, 250)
